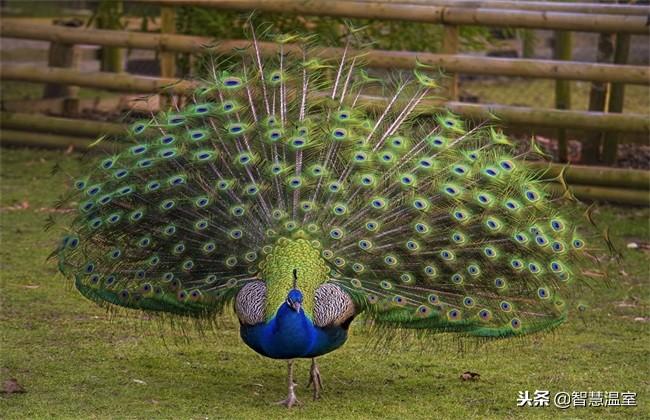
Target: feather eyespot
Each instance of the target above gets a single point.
(485, 315)
(453, 315)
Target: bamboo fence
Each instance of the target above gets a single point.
(507, 114)
(625, 186)
(541, 6)
(431, 14)
(586, 183)
(457, 63)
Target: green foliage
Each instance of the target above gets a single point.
(108, 15)
(380, 34)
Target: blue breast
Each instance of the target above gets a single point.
(291, 334)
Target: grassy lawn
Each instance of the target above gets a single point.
(77, 361)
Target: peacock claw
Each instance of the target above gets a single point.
(315, 379)
(290, 401)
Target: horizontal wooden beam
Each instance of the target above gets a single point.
(466, 64)
(615, 195)
(542, 6)
(503, 113)
(57, 125)
(117, 82)
(547, 117)
(21, 138)
(596, 175)
(431, 14)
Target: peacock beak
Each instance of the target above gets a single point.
(295, 306)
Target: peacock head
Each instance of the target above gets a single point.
(294, 299)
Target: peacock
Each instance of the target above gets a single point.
(287, 189)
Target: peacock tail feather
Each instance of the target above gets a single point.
(277, 165)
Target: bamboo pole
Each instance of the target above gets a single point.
(430, 14)
(167, 27)
(112, 59)
(592, 142)
(562, 89)
(595, 175)
(51, 141)
(122, 82)
(374, 58)
(616, 195)
(56, 125)
(450, 44)
(506, 114)
(616, 97)
(528, 42)
(555, 118)
(61, 55)
(542, 6)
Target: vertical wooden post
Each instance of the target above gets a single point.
(112, 58)
(450, 44)
(61, 55)
(597, 102)
(616, 97)
(167, 26)
(68, 56)
(528, 43)
(562, 89)
(167, 58)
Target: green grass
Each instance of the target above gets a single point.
(76, 362)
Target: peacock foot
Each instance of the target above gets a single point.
(315, 379)
(291, 399)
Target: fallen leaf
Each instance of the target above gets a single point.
(139, 381)
(470, 376)
(639, 245)
(11, 386)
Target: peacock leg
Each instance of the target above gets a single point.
(291, 397)
(315, 379)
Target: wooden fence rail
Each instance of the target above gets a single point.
(624, 186)
(466, 64)
(541, 6)
(586, 183)
(74, 131)
(431, 14)
(504, 113)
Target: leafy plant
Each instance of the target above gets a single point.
(379, 34)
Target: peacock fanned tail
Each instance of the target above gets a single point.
(426, 222)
